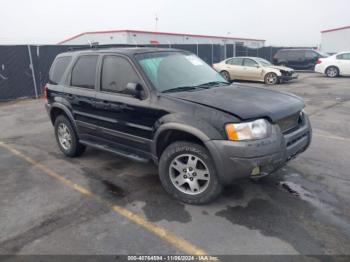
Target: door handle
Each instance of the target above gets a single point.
(70, 96)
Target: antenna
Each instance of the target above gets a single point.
(156, 19)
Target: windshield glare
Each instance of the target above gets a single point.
(169, 70)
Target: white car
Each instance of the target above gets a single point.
(335, 65)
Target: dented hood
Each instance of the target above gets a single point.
(246, 102)
(283, 68)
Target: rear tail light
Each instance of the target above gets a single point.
(46, 93)
(319, 61)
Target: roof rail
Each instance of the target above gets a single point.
(97, 46)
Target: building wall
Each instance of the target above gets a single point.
(102, 39)
(335, 41)
(139, 38)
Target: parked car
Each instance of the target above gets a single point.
(297, 58)
(254, 69)
(171, 107)
(335, 65)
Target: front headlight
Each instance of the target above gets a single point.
(257, 129)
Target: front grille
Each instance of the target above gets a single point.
(296, 139)
(290, 123)
(287, 73)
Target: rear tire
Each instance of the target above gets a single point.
(225, 75)
(67, 138)
(271, 79)
(332, 71)
(187, 172)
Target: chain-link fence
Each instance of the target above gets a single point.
(24, 69)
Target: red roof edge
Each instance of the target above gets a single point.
(335, 29)
(156, 33)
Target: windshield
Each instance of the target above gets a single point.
(263, 61)
(177, 70)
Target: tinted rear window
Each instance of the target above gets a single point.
(84, 72)
(58, 68)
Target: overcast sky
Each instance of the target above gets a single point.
(279, 22)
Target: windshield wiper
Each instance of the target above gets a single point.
(213, 83)
(179, 89)
(187, 88)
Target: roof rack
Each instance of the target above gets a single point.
(97, 46)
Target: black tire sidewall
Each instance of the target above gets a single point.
(73, 150)
(177, 148)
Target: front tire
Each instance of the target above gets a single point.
(271, 79)
(225, 75)
(187, 172)
(332, 72)
(67, 138)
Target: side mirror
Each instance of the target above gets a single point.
(135, 90)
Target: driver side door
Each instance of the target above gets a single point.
(251, 70)
(124, 121)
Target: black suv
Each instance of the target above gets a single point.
(169, 106)
(297, 58)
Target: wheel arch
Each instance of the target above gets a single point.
(328, 66)
(60, 109)
(171, 132)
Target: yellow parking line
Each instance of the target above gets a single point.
(159, 231)
(332, 137)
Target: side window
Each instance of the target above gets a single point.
(345, 56)
(84, 72)
(296, 54)
(310, 54)
(58, 68)
(116, 73)
(236, 61)
(282, 54)
(249, 62)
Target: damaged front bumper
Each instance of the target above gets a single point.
(235, 159)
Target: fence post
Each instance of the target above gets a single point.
(33, 72)
(212, 52)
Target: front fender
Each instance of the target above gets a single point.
(194, 126)
(273, 70)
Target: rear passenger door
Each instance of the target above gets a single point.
(126, 122)
(296, 59)
(81, 92)
(235, 68)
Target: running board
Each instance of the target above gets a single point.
(118, 152)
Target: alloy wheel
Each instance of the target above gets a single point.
(189, 174)
(332, 72)
(64, 136)
(271, 79)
